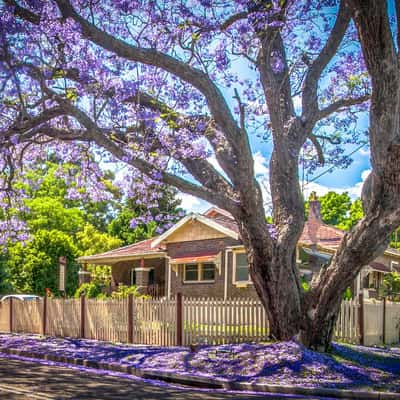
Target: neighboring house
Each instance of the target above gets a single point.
(319, 242)
(202, 256)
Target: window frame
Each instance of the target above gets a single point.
(199, 273)
(234, 265)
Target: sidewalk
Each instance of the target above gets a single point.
(351, 372)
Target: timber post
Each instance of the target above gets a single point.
(130, 318)
(11, 314)
(179, 319)
(44, 315)
(361, 318)
(82, 330)
(384, 321)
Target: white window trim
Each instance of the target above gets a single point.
(234, 281)
(200, 267)
(392, 264)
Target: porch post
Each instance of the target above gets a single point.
(168, 278)
(142, 277)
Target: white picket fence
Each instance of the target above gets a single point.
(202, 320)
(216, 321)
(348, 323)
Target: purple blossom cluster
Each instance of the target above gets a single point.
(285, 363)
(217, 40)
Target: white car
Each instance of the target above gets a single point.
(22, 297)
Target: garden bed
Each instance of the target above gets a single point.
(280, 363)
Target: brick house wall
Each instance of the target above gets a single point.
(200, 289)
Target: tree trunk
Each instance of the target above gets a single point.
(275, 277)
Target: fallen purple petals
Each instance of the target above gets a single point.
(282, 363)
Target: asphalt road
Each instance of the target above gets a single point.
(27, 380)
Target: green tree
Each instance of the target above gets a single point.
(338, 210)
(91, 241)
(120, 226)
(391, 286)
(34, 267)
(334, 207)
(5, 284)
(58, 227)
(355, 214)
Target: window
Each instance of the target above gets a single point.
(207, 272)
(191, 272)
(199, 272)
(241, 268)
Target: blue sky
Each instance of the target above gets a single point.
(348, 180)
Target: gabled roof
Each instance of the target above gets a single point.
(315, 234)
(321, 235)
(222, 224)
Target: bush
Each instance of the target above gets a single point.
(91, 290)
(124, 291)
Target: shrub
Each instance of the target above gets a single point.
(91, 290)
(124, 291)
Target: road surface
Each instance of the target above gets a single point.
(30, 380)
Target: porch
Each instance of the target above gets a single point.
(139, 264)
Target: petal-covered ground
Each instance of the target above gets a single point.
(286, 363)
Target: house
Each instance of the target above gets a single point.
(319, 242)
(202, 256)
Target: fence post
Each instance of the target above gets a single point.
(11, 314)
(44, 320)
(82, 335)
(179, 318)
(361, 318)
(384, 321)
(130, 318)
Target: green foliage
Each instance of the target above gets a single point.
(71, 228)
(305, 285)
(355, 214)
(338, 210)
(34, 267)
(120, 226)
(124, 291)
(91, 290)
(348, 294)
(391, 286)
(5, 285)
(91, 241)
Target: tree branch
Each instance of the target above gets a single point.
(339, 105)
(310, 86)
(195, 77)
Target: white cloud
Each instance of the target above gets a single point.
(260, 164)
(192, 204)
(364, 152)
(353, 191)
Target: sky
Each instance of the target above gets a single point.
(349, 180)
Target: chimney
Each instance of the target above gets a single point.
(314, 213)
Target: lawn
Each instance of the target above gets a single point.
(285, 363)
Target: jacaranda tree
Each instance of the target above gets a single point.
(162, 87)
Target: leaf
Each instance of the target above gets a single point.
(71, 94)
